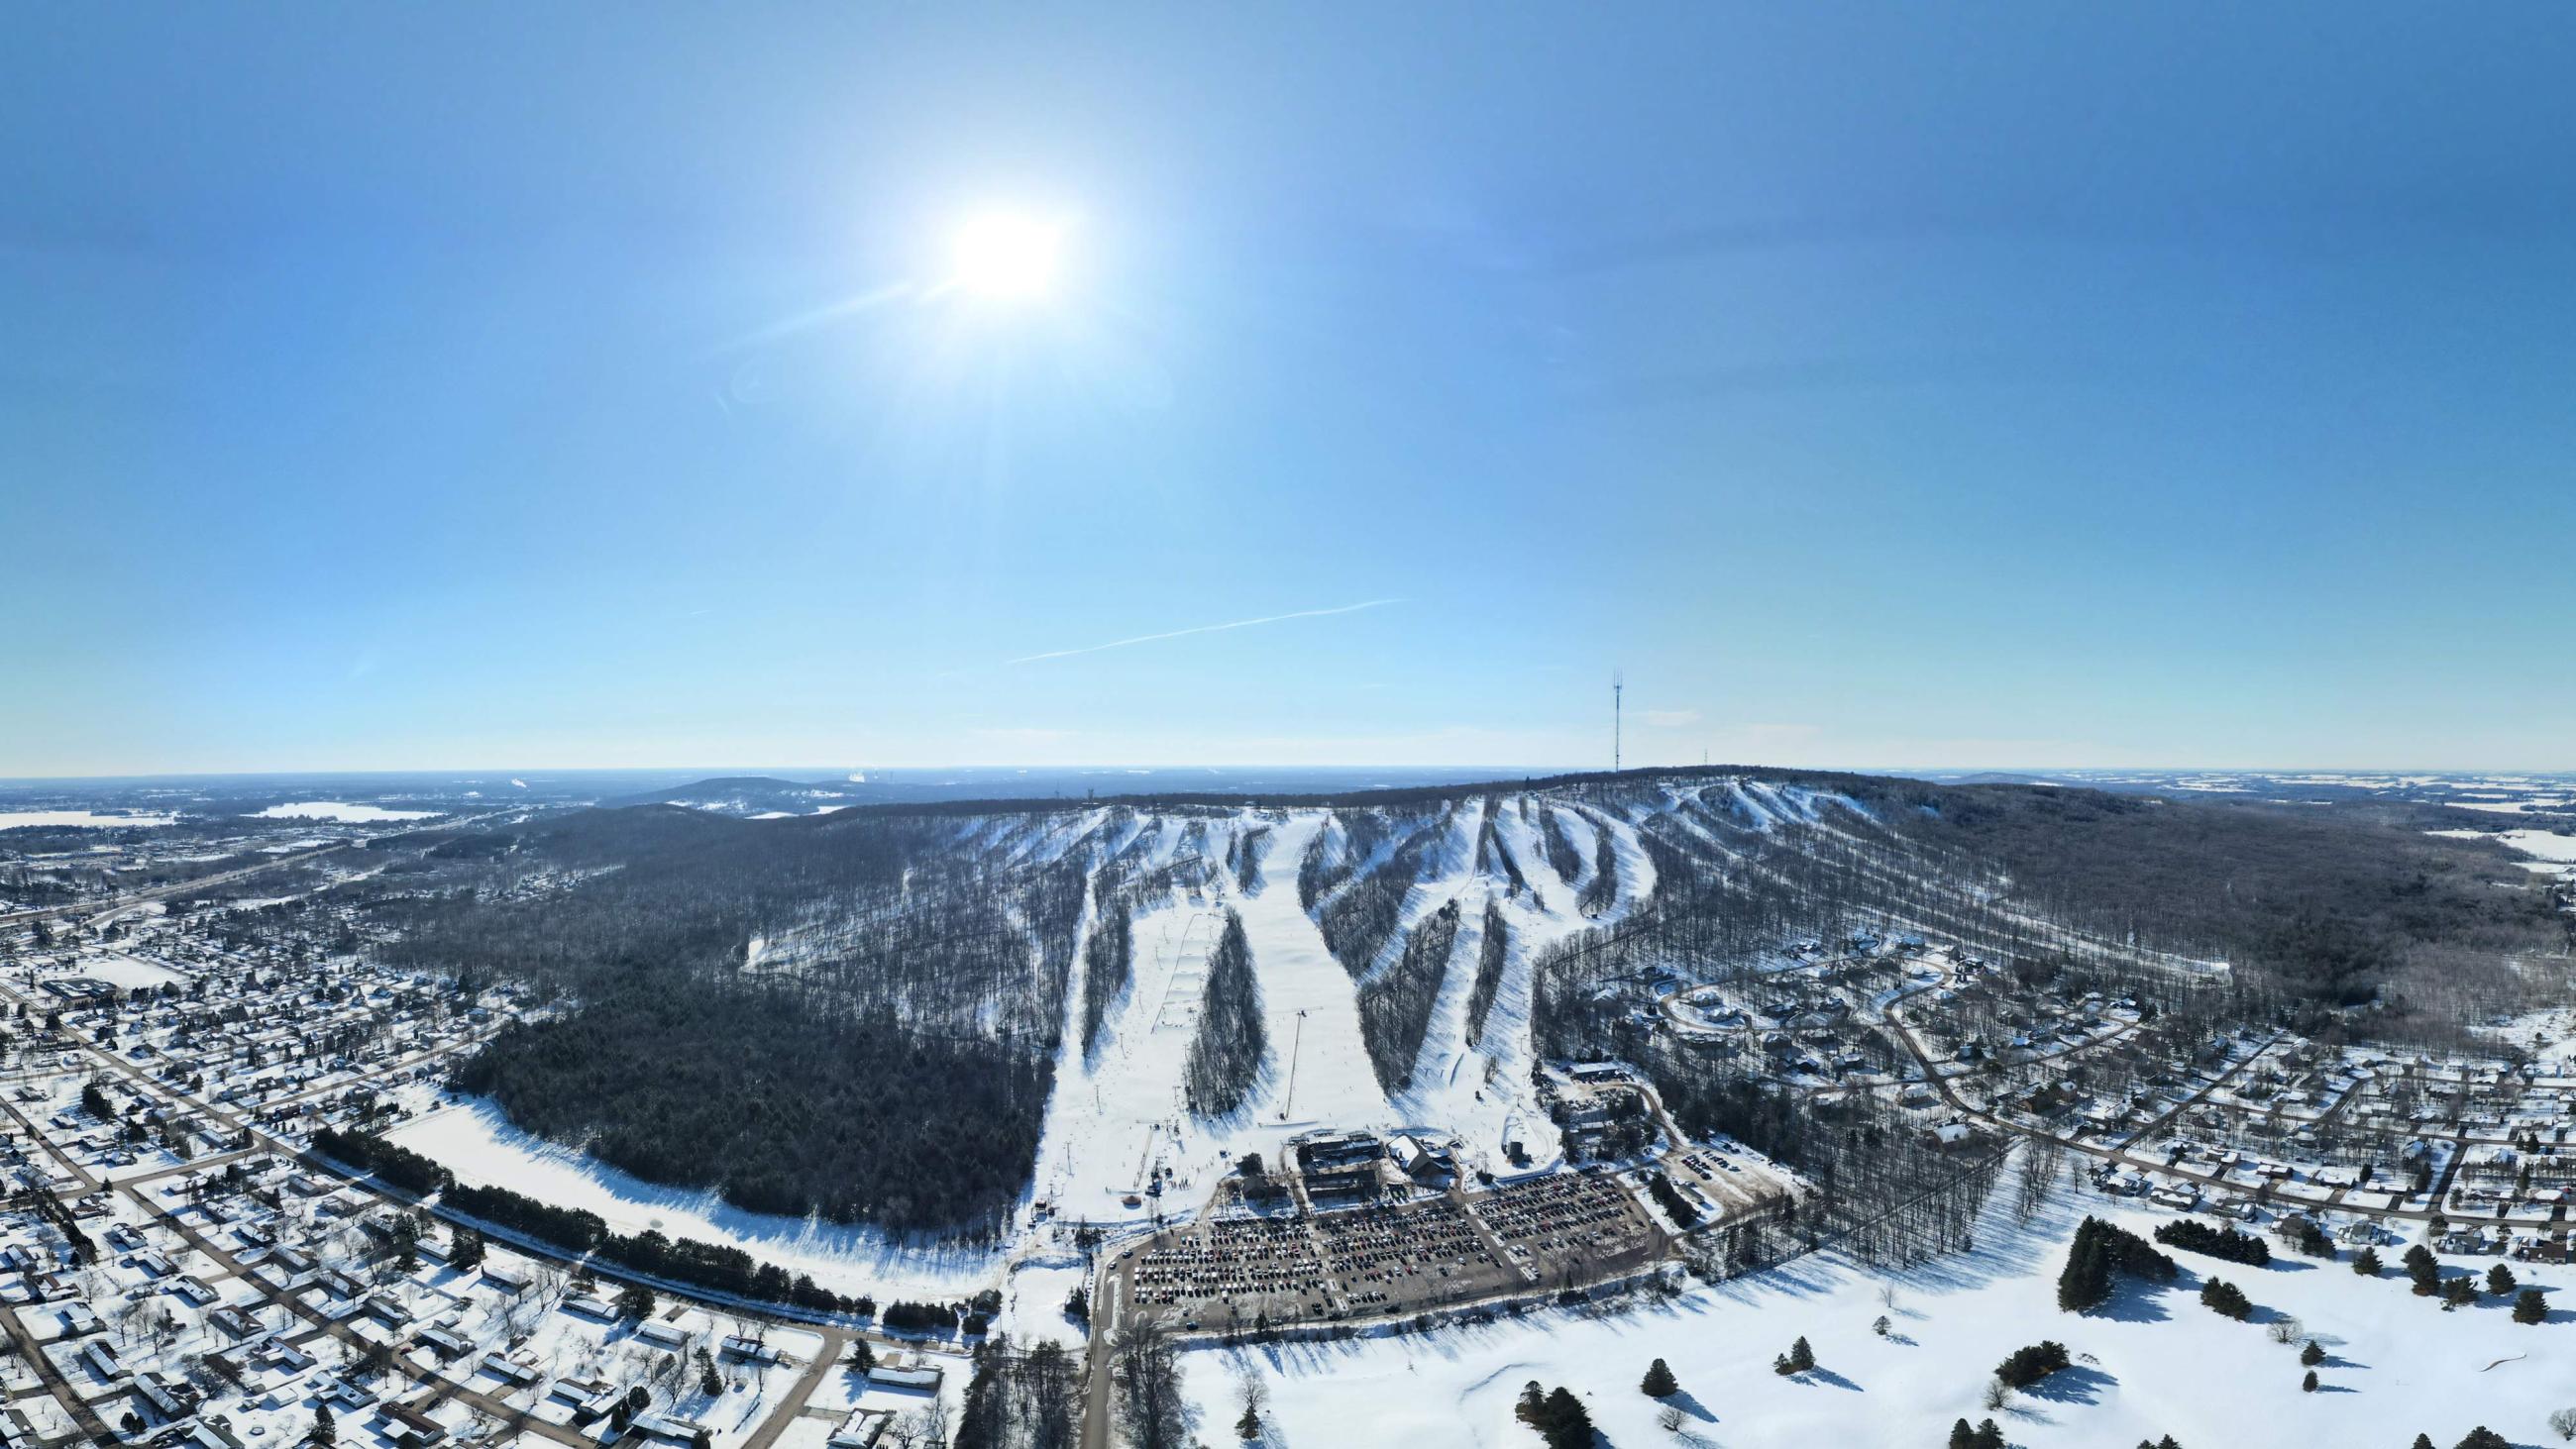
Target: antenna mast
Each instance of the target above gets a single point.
(1618, 684)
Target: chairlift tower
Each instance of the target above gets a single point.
(1618, 684)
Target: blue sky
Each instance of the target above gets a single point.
(461, 386)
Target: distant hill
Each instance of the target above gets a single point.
(755, 796)
(768, 796)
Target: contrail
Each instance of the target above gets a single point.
(1202, 629)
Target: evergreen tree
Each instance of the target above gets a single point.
(325, 1431)
(1659, 1381)
(2086, 1280)
(2483, 1437)
(2424, 1269)
(1569, 1425)
(2366, 1262)
(2027, 1366)
(2313, 1354)
(1963, 1437)
(2310, 1382)
(1988, 1436)
(2500, 1280)
(2530, 1306)
(635, 1303)
(2226, 1299)
(2458, 1292)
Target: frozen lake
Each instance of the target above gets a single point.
(78, 820)
(343, 812)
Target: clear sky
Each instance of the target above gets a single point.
(423, 386)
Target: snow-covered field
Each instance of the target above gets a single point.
(475, 1141)
(342, 812)
(2543, 844)
(119, 969)
(2155, 1362)
(2548, 851)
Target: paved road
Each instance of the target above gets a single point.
(82, 1414)
(836, 1342)
(1097, 1381)
(100, 910)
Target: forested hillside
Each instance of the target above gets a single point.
(783, 1110)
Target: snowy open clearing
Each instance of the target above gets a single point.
(2154, 1362)
(475, 1141)
(119, 969)
(2541, 843)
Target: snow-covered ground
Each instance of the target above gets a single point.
(2560, 849)
(118, 969)
(2550, 853)
(2154, 1363)
(1034, 1298)
(475, 1141)
(342, 812)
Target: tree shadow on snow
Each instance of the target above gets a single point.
(1688, 1403)
(2073, 1385)
(2132, 1301)
(2008, 1245)
(1829, 1378)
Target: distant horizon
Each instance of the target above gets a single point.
(829, 774)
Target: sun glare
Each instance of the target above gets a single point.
(1007, 255)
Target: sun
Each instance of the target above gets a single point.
(1006, 255)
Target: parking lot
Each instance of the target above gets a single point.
(1389, 1259)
